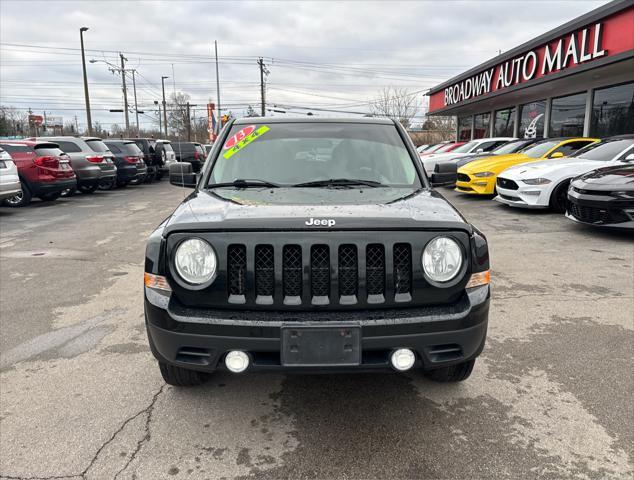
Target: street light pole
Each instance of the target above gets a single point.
(83, 64)
(164, 105)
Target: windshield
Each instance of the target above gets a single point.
(604, 151)
(97, 145)
(295, 153)
(539, 149)
(464, 148)
(510, 147)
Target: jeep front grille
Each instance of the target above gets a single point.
(402, 269)
(292, 273)
(348, 272)
(237, 272)
(321, 274)
(264, 272)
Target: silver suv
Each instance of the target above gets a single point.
(91, 160)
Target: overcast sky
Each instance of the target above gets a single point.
(326, 55)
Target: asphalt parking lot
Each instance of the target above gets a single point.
(81, 396)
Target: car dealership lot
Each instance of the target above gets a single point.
(81, 395)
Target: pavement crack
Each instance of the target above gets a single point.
(146, 410)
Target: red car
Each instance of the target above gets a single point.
(448, 147)
(44, 170)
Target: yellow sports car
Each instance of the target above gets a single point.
(479, 177)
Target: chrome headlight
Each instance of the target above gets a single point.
(442, 259)
(536, 181)
(483, 174)
(195, 261)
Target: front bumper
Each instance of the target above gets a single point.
(530, 196)
(477, 186)
(600, 210)
(199, 339)
(43, 188)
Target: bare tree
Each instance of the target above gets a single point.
(395, 103)
(13, 121)
(177, 119)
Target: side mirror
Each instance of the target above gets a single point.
(557, 155)
(630, 157)
(182, 175)
(436, 180)
(479, 150)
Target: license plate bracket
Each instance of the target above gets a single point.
(321, 346)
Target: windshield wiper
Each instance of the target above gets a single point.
(339, 182)
(245, 183)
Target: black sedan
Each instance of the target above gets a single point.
(129, 160)
(604, 197)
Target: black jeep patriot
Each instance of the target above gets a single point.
(314, 245)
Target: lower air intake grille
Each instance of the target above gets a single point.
(292, 271)
(237, 268)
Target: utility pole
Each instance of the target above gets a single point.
(136, 106)
(263, 70)
(189, 125)
(164, 105)
(76, 125)
(217, 88)
(83, 64)
(125, 95)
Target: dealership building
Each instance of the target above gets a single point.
(576, 80)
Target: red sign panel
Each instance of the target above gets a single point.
(608, 37)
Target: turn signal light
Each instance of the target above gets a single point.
(157, 282)
(479, 279)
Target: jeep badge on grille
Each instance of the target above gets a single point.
(320, 222)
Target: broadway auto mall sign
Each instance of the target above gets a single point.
(598, 40)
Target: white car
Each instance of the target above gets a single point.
(481, 145)
(9, 179)
(544, 184)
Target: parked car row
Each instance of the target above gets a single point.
(543, 174)
(48, 167)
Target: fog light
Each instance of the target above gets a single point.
(237, 361)
(403, 359)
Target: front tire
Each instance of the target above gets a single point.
(558, 199)
(455, 373)
(181, 377)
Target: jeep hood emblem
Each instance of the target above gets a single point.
(320, 222)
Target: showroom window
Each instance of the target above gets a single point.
(481, 125)
(613, 111)
(532, 119)
(464, 128)
(567, 115)
(504, 122)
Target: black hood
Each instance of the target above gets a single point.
(290, 208)
(619, 177)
